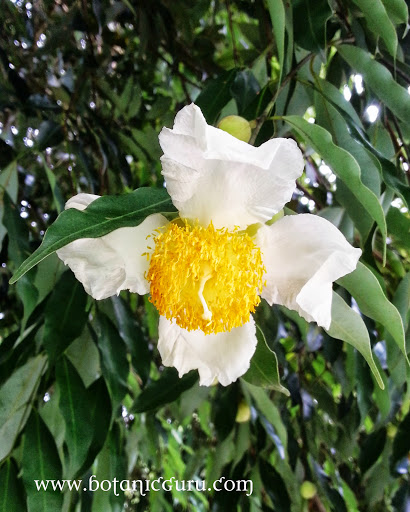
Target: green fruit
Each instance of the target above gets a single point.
(391, 431)
(244, 412)
(308, 490)
(237, 126)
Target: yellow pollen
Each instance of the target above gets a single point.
(205, 278)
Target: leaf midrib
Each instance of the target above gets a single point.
(38, 256)
(107, 221)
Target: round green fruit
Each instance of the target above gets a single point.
(308, 490)
(244, 412)
(237, 126)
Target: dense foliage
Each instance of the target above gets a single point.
(85, 88)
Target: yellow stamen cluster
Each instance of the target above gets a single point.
(205, 278)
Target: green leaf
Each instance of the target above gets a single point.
(348, 326)
(401, 444)
(372, 449)
(339, 217)
(397, 11)
(65, 315)
(74, 408)
(164, 390)
(41, 462)
(393, 177)
(51, 415)
(50, 135)
(151, 318)
(399, 227)
(129, 145)
(275, 487)
(277, 16)
(264, 371)
(16, 396)
(215, 95)
(18, 248)
(102, 216)
(382, 396)
(7, 153)
(309, 19)
(344, 166)
(83, 354)
(402, 300)
(219, 458)
(266, 406)
(28, 294)
(160, 107)
(360, 218)
(396, 363)
(99, 410)
(112, 464)
(8, 184)
(244, 90)
(224, 411)
(126, 95)
(148, 140)
(336, 98)
(329, 118)
(47, 275)
(82, 410)
(379, 80)
(334, 499)
(133, 336)
(11, 492)
(110, 94)
(294, 316)
(379, 22)
(55, 189)
(114, 363)
(365, 288)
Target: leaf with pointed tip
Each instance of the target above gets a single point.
(379, 22)
(393, 177)
(102, 216)
(131, 333)
(264, 371)
(277, 16)
(397, 10)
(164, 390)
(41, 462)
(65, 315)
(111, 465)
(272, 414)
(348, 326)
(215, 95)
(366, 290)
(344, 165)
(11, 493)
(16, 395)
(114, 362)
(379, 80)
(83, 409)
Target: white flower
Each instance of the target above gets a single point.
(205, 272)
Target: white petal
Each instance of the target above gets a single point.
(113, 262)
(303, 256)
(224, 356)
(211, 175)
(80, 201)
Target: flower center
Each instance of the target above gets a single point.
(205, 278)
